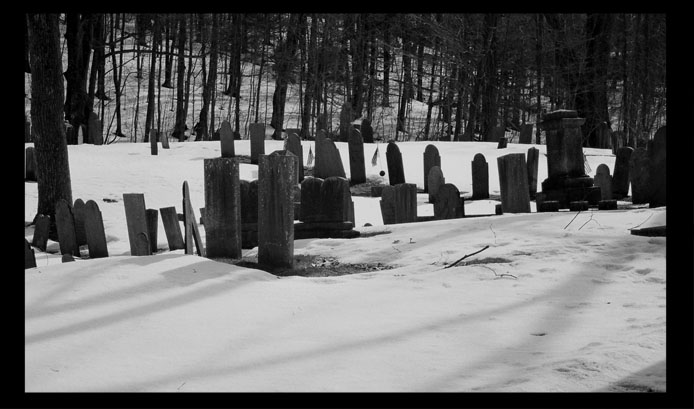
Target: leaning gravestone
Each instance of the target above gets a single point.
(367, 132)
(222, 207)
(620, 177)
(29, 257)
(658, 171)
(448, 204)
(533, 164)
(257, 132)
(78, 213)
(526, 134)
(94, 129)
(396, 172)
(480, 177)
(328, 159)
(172, 227)
(604, 180)
(293, 145)
(431, 159)
(513, 183)
(435, 180)
(226, 140)
(152, 228)
(43, 225)
(136, 219)
(65, 224)
(639, 174)
(192, 234)
(311, 207)
(30, 164)
(94, 230)
(357, 168)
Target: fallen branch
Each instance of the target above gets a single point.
(572, 220)
(466, 256)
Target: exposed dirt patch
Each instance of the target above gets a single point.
(310, 266)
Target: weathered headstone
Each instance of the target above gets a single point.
(222, 207)
(345, 121)
(226, 140)
(30, 164)
(41, 229)
(480, 177)
(153, 136)
(94, 129)
(526, 133)
(658, 171)
(639, 174)
(399, 203)
(80, 135)
(431, 159)
(335, 199)
(94, 230)
(293, 145)
(357, 167)
(503, 143)
(367, 132)
(435, 180)
(164, 139)
(513, 183)
(387, 204)
(396, 172)
(29, 257)
(152, 228)
(448, 204)
(172, 227)
(65, 224)
(620, 177)
(275, 209)
(78, 213)
(257, 132)
(311, 207)
(533, 164)
(136, 218)
(604, 180)
(191, 231)
(328, 159)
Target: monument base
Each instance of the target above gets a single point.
(572, 194)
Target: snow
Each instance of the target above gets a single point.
(555, 303)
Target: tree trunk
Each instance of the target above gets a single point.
(149, 120)
(78, 33)
(284, 62)
(117, 68)
(180, 124)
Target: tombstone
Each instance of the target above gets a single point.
(396, 172)
(65, 224)
(311, 206)
(658, 171)
(328, 159)
(29, 256)
(367, 132)
(431, 159)
(94, 129)
(152, 216)
(94, 230)
(345, 122)
(639, 175)
(335, 199)
(153, 147)
(80, 134)
(526, 134)
(620, 177)
(293, 144)
(191, 231)
(387, 204)
(435, 180)
(480, 177)
(222, 207)
(496, 133)
(399, 203)
(30, 164)
(357, 168)
(41, 229)
(448, 204)
(249, 201)
(498, 209)
(172, 227)
(164, 139)
(604, 180)
(533, 164)
(78, 213)
(136, 218)
(257, 132)
(503, 142)
(513, 183)
(226, 138)
(276, 176)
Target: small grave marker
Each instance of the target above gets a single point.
(480, 177)
(94, 230)
(435, 180)
(41, 229)
(357, 167)
(257, 132)
(172, 228)
(293, 144)
(152, 228)
(396, 172)
(603, 179)
(448, 203)
(136, 219)
(639, 175)
(431, 159)
(226, 139)
(78, 213)
(192, 233)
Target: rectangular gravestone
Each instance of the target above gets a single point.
(136, 219)
(30, 164)
(431, 159)
(399, 203)
(222, 207)
(639, 175)
(152, 228)
(328, 159)
(335, 199)
(357, 167)
(435, 180)
(29, 257)
(513, 183)
(164, 139)
(257, 137)
(226, 140)
(43, 225)
(533, 165)
(94, 230)
(448, 203)
(293, 144)
(387, 204)
(172, 227)
(94, 129)
(249, 213)
(311, 207)
(657, 153)
(396, 172)
(78, 213)
(526, 134)
(480, 177)
(65, 224)
(153, 147)
(620, 177)
(367, 132)
(192, 233)
(603, 179)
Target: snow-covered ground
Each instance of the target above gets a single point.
(557, 302)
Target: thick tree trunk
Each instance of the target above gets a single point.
(285, 56)
(78, 33)
(149, 119)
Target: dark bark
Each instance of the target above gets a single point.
(78, 33)
(149, 119)
(284, 63)
(180, 124)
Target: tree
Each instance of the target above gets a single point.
(180, 126)
(78, 33)
(284, 63)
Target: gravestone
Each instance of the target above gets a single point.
(431, 159)
(435, 180)
(78, 214)
(41, 229)
(367, 132)
(526, 134)
(396, 172)
(448, 204)
(603, 179)
(533, 164)
(620, 177)
(387, 204)
(257, 132)
(657, 153)
(29, 257)
(503, 142)
(94, 129)
(335, 199)
(172, 227)
(136, 218)
(276, 176)
(328, 159)
(164, 139)
(513, 183)
(249, 201)
(496, 133)
(152, 228)
(191, 231)
(357, 168)
(80, 134)
(345, 122)
(65, 224)
(293, 144)
(639, 175)
(222, 207)
(399, 203)
(30, 164)
(153, 147)
(226, 140)
(480, 177)
(94, 230)
(311, 207)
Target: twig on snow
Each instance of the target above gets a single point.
(572, 220)
(466, 256)
(493, 232)
(496, 274)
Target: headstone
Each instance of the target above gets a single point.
(498, 209)
(30, 164)
(29, 257)
(328, 159)
(191, 231)
(172, 227)
(78, 213)
(604, 180)
(311, 206)
(513, 183)
(357, 167)
(94, 129)
(222, 207)
(435, 180)
(396, 172)
(275, 209)
(41, 229)
(136, 218)
(257, 132)
(94, 230)
(480, 177)
(367, 132)
(152, 228)
(526, 134)
(399, 203)
(495, 133)
(448, 204)
(249, 201)
(345, 121)
(335, 199)
(639, 174)
(533, 164)
(293, 145)
(387, 204)
(503, 142)
(658, 171)
(620, 177)
(153, 136)
(164, 139)
(80, 135)
(65, 224)
(431, 159)
(226, 139)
